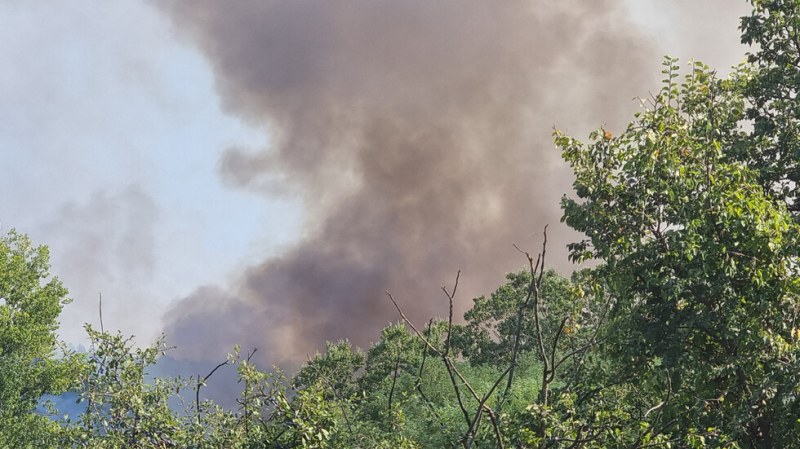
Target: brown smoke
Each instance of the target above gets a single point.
(417, 132)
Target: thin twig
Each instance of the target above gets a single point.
(201, 383)
(250, 356)
(394, 380)
(482, 403)
(533, 293)
(496, 427)
(450, 297)
(457, 379)
(452, 371)
(418, 384)
(100, 309)
(553, 348)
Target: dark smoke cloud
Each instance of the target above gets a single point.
(418, 134)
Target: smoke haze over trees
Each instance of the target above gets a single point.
(683, 332)
(417, 135)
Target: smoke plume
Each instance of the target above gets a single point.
(418, 134)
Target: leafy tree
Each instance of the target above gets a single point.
(31, 364)
(567, 313)
(702, 264)
(491, 324)
(684, 335)
(123, 407)
(334, 370)
(772, 148)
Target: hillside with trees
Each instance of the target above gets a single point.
(683, 334)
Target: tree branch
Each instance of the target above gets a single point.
(201, 383)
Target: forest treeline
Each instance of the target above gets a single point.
(684, 334)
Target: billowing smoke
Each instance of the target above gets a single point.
(418, 134)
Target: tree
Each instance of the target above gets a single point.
(489, 334)
(334, 370)
(701, 262)
(772, 148)
(123, 408)
(31, 364)
(685, 334)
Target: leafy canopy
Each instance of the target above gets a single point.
(31, 364)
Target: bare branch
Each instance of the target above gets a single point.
(592, 340)
(451, 369)
(201, 383)
(553, 348)
(482, 404)
(252, 353)
(100, 310)
(411, 325)
(450, 297)
(418, 384)
(532, 294)
(496, 427)
(457, 379)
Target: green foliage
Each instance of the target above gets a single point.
(491, 323)
(702, 264)
(335, 369)
(124, 409)
(31, 364)
(684, 335)
(772, 148)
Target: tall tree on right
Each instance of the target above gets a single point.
(773, 146)
(701, 261)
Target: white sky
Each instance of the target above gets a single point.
(110, 135)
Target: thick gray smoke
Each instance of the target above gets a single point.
(418, 134)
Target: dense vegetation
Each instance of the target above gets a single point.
(684, 334)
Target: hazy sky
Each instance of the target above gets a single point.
(110, 133)
(124, 143)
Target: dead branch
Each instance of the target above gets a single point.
(450, 297)
(457, 380)
(201, 383)
(532, 294)
(418, 384)
(100, 310)
(451, 369)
